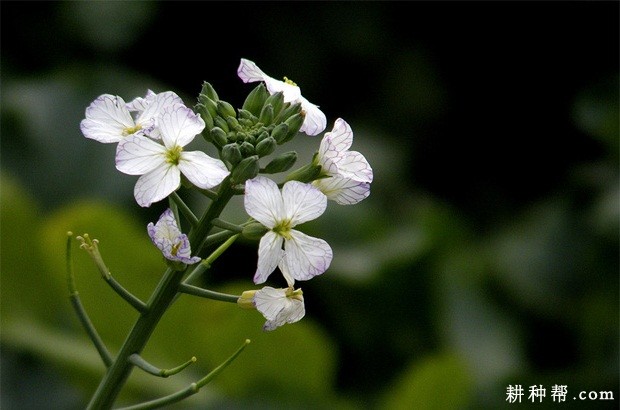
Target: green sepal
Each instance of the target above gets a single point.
(221, 122)
(205, 115)
(266, 114)
(247, 115)
(276, 101)
(281, 163)
(262, 136)
(256, 99)
(280, 133)
(253, 231)
(288, 111)
(231, 153)
(247, 149)
(248, 168)
(218, 136)
(225, 109)
(294, 123)
(233, 124)
(307, 173)
(208, 91)
(266, 146)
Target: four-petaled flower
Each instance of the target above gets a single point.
(304, 256)
(161, 165)
(279, 306)
(108, 118)
(166, 235)
(348, 173)
(314, 122)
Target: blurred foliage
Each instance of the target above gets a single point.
(486, 255)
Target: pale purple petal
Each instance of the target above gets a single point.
(269, 255)
(137, 155)
(344, 191)
(166, 235)
(249, 72)
(202, 170)
(107, 120)
(285, 271)
(302, 202)
(139, 104)
(157, 184)
(149, 118)
(306, 256)
(179, 125)
(291, 93)
(278, 308)
(315, 121)
(263, 201)
(355, 166)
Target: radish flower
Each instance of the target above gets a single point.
(166, 235)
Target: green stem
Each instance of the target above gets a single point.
(139, 362)
(208, 294)
(184, 209)
(206, 263)
(227, 225)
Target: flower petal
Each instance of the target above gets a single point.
(107, 119)
(302, 202)
(249, 72)
(315, 121)
(157, 184)
(344, 191)
(270, 301)
(179, 125)
(263, 201)
(139, 104)
(137, 155)
(355, 166)
(269, 254)
(202, 170)
(166, 235)
(306, 256)
(149, 118)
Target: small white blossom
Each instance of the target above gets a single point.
(314, 122)
(304, 256)
(108, 118)
(166, 235)
(279, 306)
(160, 166)
(348, 172)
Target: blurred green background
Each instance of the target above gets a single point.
(485, 256)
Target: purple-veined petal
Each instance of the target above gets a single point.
(137, 155)
(315, 121)
(139, 104)
(179, 125)
(249, 72)
(173, 244)
(344, 191)
(355, 166)
(107, 120)
(291, 93)
(278, 308)
(157, 184)
(306, 256)
(263, 201)
(290, 280)
(149, 118)
(269, 255)
(202, 170)
(302, 202)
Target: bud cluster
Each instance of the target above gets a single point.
(254, 131)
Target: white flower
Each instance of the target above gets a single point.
(166, 235)
(348, 172)
(304, 256)
(314, 122)
(108, 118)
(279, 306)
(161, 165)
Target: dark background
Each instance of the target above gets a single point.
(492, 128)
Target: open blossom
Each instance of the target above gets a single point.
(314, 122)
(348, 173)
(304, 256)
(160, 166)
(108, 118)
(279, 306)
(166, 235)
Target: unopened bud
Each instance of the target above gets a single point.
(276, 101)
(225, 109)
(232, 123)
(247, 115)
(246, 169)
(220, 122)
(256, 99)
(262, 136)
(266, 146)
(247, 149)
(205, 115)
(292, 109)
(281, 163)
(246, 300)
(266, 114)
(218, 136)
(208, 91)
(231, 153)
(280, 133)
(253, 231)
(294, 123)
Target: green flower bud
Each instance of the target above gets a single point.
(246, 169)
(254, 230)
(233, 124)
(225, 109)
(262, 136)
(247, 115)
(247, 149)
(231, 153)
(266, 146)
(281, 163)
(307, 173)
(287, 112)
(250, 138)
(280, 133)
(276, 101)
(220, 122)
(218, 136)
(208, 91)
(205, 115)
(294, 123)
(256, 99)
(209, 105)
(266, 114)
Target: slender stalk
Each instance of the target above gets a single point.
(208, 294)
(184, 209)
(165, 293)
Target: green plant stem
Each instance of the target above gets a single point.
(208, 294)
(165, 293)
(184, 209)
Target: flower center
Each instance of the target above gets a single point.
(131, 130)
(283, 228)
(175, 248)
(173, 155)
(291, 82)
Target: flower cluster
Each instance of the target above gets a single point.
(152, 133)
